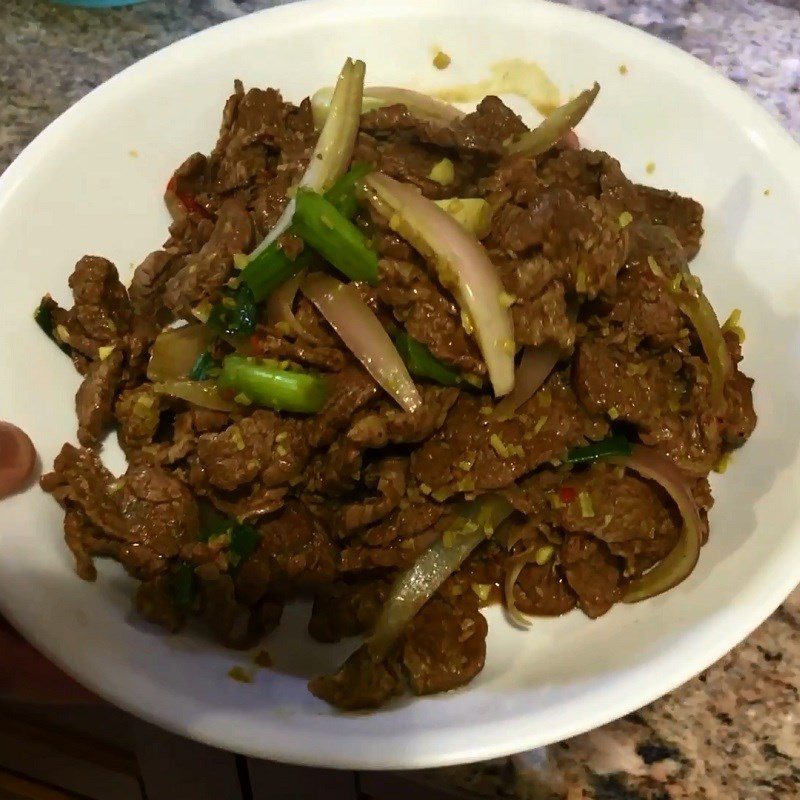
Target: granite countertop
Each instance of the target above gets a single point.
(732, 732)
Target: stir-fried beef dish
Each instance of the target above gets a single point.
(403, 361)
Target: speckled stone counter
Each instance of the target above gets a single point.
(733, 732)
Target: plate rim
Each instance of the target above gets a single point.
(758, 608)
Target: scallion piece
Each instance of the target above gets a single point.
(343, 193)
(199, 372)
(606, 448)
(420, 361)
(184, 587)
(320, 224)
(235, 314)
(267, 384)
(244, 541)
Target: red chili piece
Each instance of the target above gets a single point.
(17, 459)
(187, 201)
(567, 494)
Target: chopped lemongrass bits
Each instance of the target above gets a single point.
(544, 554)
(498, 446)
(424, 488)
(580, 280)
(613, 413)
(540, 423)
(240, 260)
(507, 300)
(545, 398)
(236, 437)
(654, 267)
(240, 674)
(441, 60)
(281, 450)
(443, 172)
(585, 500)
(105, 351)
(472, 380)
(62, 333)
(486, 411)
(482, 590)
(675, 286)
(202, 311)
(625, 219)
(242, 399)
(724, 462)
(732, 324)
(555, 500)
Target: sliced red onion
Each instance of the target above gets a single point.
(687, 293)
(364, 335)
(176, 350)
(680, 562)
(462, 266)
(570, 140)
(514, 567)
(421, 106)
(556, 125)
(205, 394)
(280, 303)
(701, 314)
(534, 367)
(475, 522)
(334, 146)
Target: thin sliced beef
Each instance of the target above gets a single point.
(634, 517)
(330, 359)
(138, 413)
(263, 444)
(205, 273)
(94, 401)
(389, 424)
(155, 601)
(478, 451)
(581, 238)
(640, 388)
(102, 310)
(144, 516)
(234, 624)
(445, 646)
(350, 390)
(682, 214)
(544, 318)
(363, 682)
(150, 279)
(389, 477)
(428, 314)
(592, 573)
(643, 308)
(295, 554)
(346, 609)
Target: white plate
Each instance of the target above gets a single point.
(77, 189)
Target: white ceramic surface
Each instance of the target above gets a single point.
(78, 189)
